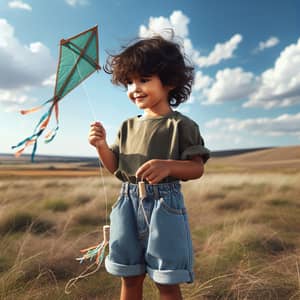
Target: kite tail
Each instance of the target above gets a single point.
(97, 252)
(27, 142)
(52, 133)
(38, 130)
(34, 109)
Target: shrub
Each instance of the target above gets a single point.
(234, 205)
(4, 264)
(23, 221)
(40, 226)
(57, 205)
(82, 199)
(279, 202)
(85, 219)
(16, 222)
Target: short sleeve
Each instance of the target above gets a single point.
(192, 143)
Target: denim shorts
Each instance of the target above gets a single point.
(151, 235)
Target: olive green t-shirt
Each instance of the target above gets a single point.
(142, 138)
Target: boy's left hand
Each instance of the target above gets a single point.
(153, 170)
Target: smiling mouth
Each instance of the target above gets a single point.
(139, 98)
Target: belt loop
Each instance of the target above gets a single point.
(156, 192)
(125, 189)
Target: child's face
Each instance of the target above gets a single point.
(148, 93)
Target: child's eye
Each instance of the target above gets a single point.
(145, 79)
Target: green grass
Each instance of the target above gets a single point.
(57, 205)
(279, 202)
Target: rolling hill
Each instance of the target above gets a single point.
(286, 159)
(272, 159)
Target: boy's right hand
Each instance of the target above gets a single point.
(97, 134)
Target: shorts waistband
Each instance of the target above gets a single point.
(155, 189)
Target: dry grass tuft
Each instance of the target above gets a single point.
(234, 205)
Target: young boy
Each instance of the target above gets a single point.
(149, 230)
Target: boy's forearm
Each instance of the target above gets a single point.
(107, 157)
(186, 169)
(156, 170)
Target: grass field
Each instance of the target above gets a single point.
(244, 219)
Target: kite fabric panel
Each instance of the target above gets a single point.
(78, 59)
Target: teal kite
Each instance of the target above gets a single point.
(78, 59)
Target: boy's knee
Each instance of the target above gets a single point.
(133, 281)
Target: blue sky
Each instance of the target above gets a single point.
(246, 56)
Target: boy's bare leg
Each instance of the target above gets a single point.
(132, 287)
(169, 291)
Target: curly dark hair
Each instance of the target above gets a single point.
(154, 56)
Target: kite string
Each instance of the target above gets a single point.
(99, 161)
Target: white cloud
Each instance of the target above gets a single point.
(201, 81)
(77, 2)
(50, 81)
(220, 52)
(276, 87)
(269, 43)
(201, 84)
(230, 85)
(179, 23)
(280, 85)
(160, 25)
(22, 66)
(19, 5)
(12, 99)
(286, 124)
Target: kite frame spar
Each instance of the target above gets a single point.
(65, 42)
(60, 90)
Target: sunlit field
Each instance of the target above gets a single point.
(245, 224)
